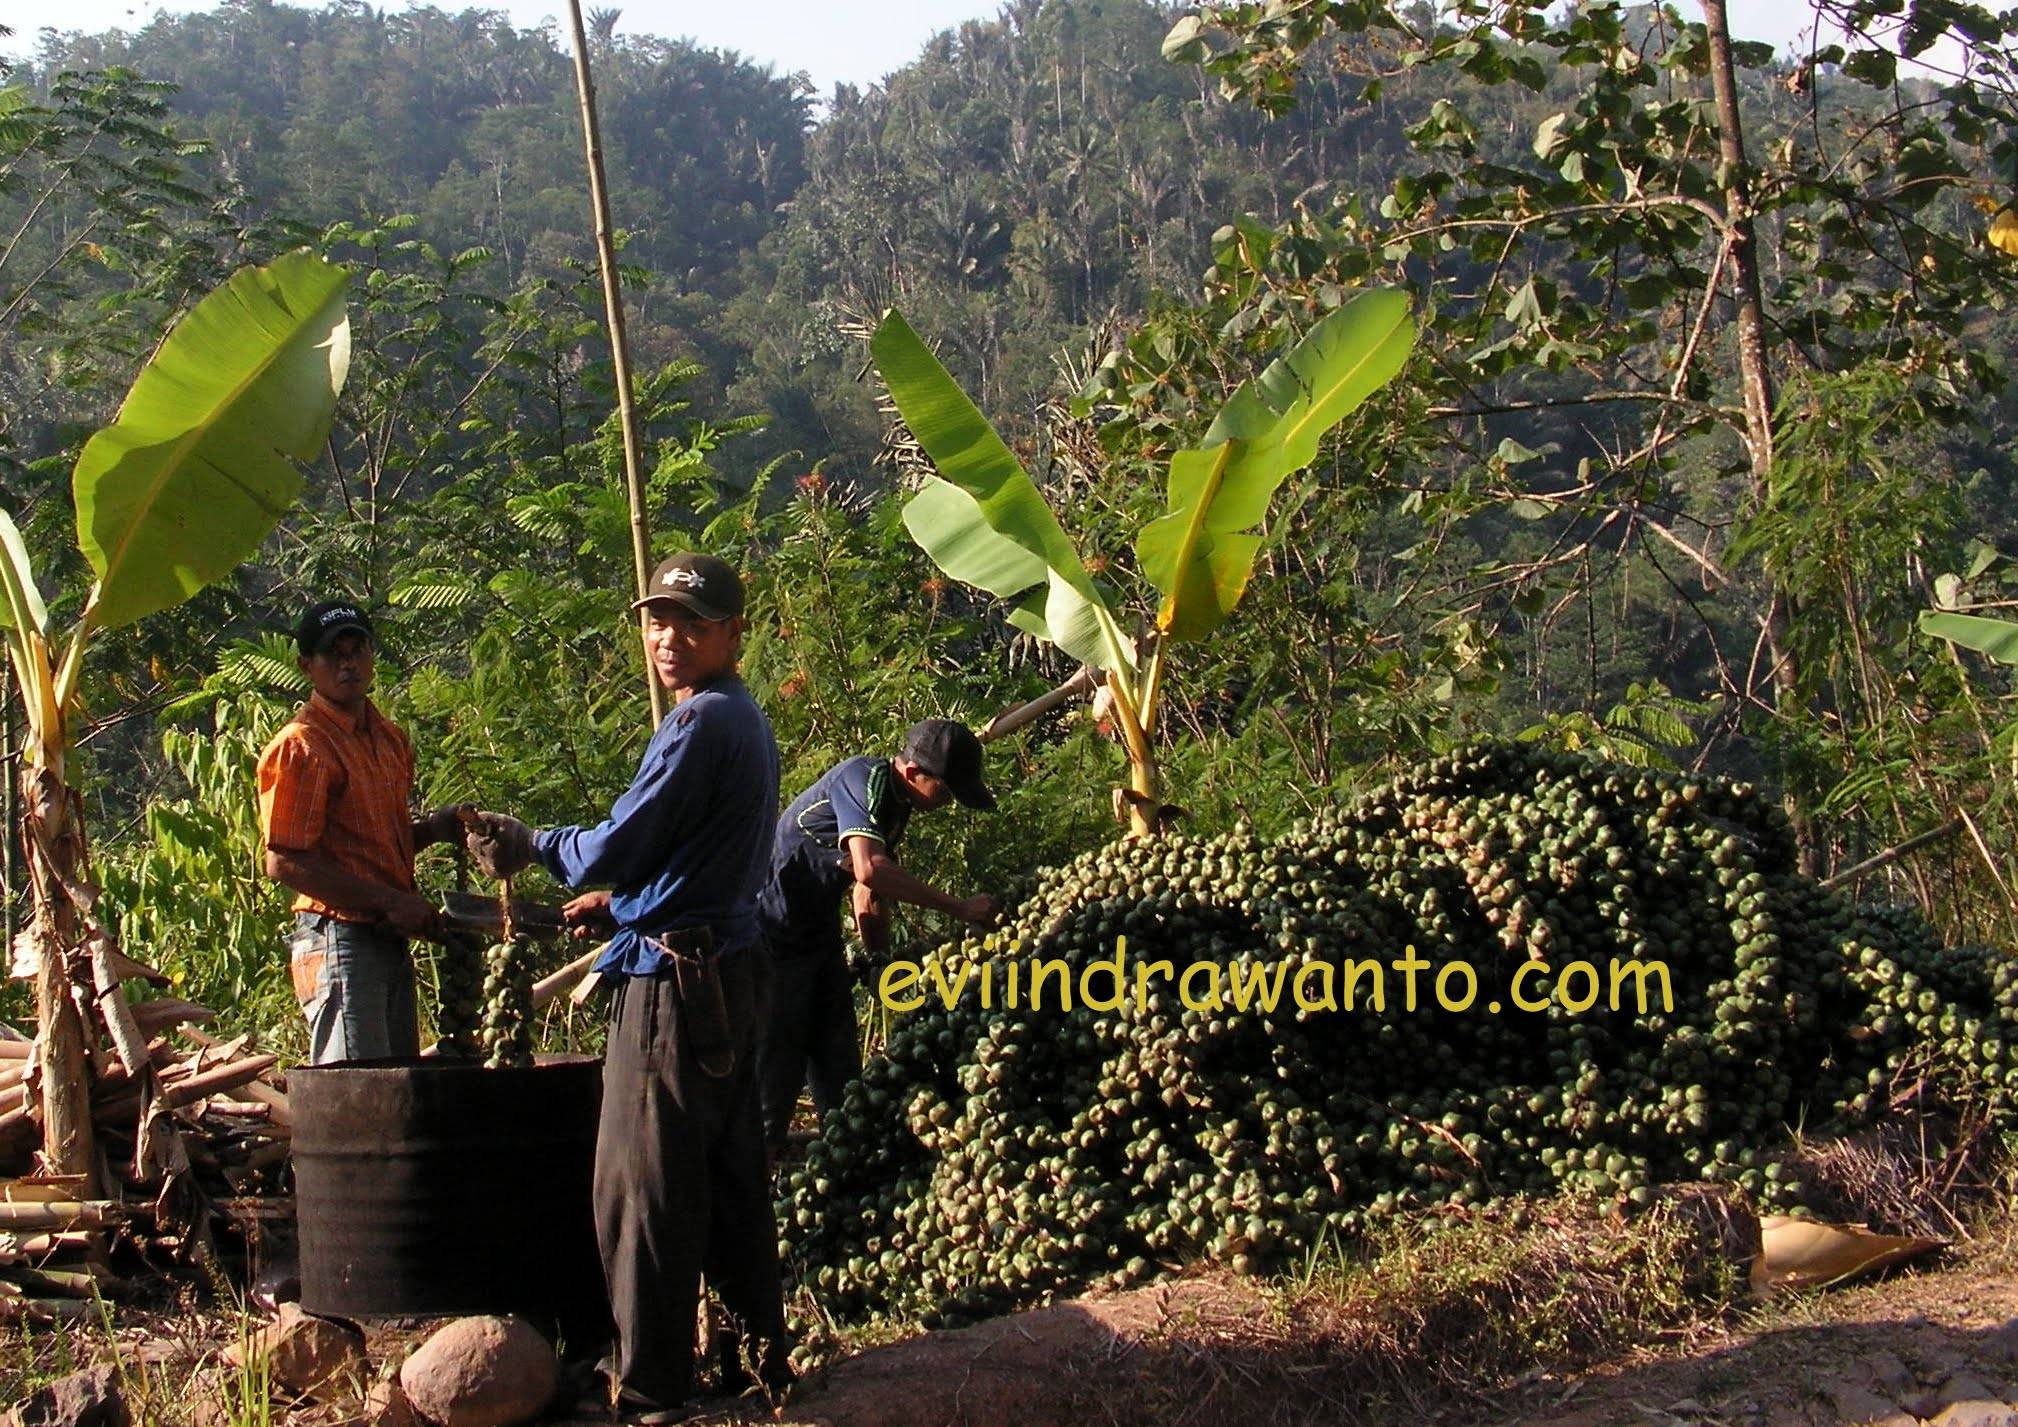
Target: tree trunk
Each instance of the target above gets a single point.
(1755, 373)
(53, 840)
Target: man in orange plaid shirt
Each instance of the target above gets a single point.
(334, 791)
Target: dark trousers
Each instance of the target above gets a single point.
(811, 1037)
(681, 1188)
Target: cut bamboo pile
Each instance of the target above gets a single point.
(192, 1149)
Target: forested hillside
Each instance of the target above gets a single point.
(1565, 522)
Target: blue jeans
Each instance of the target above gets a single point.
(355, 984)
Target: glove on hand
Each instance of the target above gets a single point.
(501, 845)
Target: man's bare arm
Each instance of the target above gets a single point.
(876, 870)
(314, 874)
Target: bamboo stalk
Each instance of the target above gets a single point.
(44, 1190)
(1893, 854)
(210, 1082)
(275, 1099)
(613, 305)
(548, 987)
(55, 1283)
(128, 969)
(1009, 720)
(42, 1245)
(127, 1038)
(240, 1109)
(43, 1310)
(166, 1011)
(60, 1214)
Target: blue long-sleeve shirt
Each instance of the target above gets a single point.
(688, 844)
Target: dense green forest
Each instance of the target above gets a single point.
(1568, 521)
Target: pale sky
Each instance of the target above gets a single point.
(858, 41)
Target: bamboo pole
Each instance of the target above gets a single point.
(1893, 854)
(564, 980)
(1009, 720)
(58, 1214)
(613, 304)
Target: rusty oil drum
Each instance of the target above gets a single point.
(436, 1187)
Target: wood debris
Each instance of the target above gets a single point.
(193, 1134)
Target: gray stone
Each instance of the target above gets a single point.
(1975, 1413)
(481, 1372)
(1891, 1375)
(1856, 1405)
(1964, 1388)
(2000, 1344)
(84, 1399)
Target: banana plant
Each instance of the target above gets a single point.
(983, 521)
(1997, 638)
(195, 472)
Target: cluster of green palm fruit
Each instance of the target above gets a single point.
(994, 1156)
(458, 962)
(507, 1036)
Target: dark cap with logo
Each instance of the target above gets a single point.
(949, 750)
(708, 586)
(325, 622)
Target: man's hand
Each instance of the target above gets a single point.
(872, 922)
(501, 845)
(411, 914)
(589, 916)
(981, 910)
(444, 824)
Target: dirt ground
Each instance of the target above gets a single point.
(1938, 1346)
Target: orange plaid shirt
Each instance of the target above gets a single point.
(340, 786)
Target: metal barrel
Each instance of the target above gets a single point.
(427, 1187)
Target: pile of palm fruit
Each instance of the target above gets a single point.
(507, 1034)
(485, 1006)
(994, 1156)
(459, 971)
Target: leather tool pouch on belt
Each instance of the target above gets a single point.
(704, 1014)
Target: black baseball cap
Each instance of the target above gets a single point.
(708, 586)
(326, 621)
(949, 750)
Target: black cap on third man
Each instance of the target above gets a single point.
(325, 621)
(950, 750)
(708, 586)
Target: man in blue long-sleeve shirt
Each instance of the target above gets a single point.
(680, 1186)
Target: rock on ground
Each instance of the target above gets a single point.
(1017, 1371)
(307, 1356)
(481, 1372)
(83, 1399)
(386, 1406)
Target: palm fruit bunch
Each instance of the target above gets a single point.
(459, 976)
(995, 1155)
(507, 1036)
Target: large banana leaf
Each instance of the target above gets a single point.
(195, 472)
(983, 521)
(25, 622)
(21, 606)
(1997, 638)
(1201, 553)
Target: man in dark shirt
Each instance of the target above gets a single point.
(680, 1185)
(840, 837)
